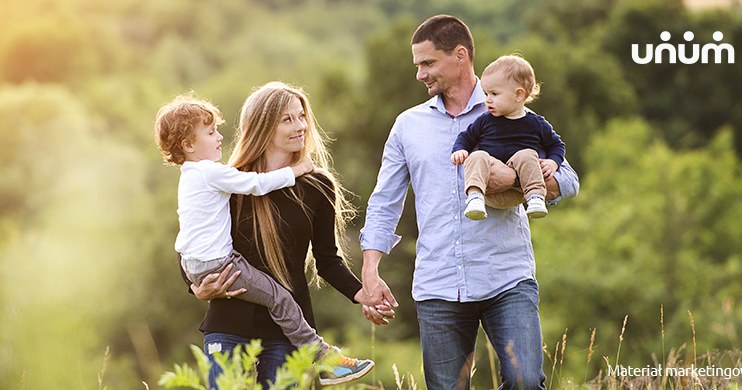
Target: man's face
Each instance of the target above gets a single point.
(435, 68)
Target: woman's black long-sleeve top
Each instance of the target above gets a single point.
(248, 320)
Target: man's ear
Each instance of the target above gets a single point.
(461, 54)
(187, 145)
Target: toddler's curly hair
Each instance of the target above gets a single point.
(176, 122)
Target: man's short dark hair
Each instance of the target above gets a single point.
(445, 32)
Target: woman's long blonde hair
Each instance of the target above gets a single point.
(259, 119)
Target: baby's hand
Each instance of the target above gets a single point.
(459, 156)
(548, 167)
(304, 166)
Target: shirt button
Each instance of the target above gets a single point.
(457, 242)
(455, 217)
(453, 192)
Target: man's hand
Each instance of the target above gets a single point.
(502, 177)
(375, 289)
(459, 156)
(377, 292)
(376, 297)
(216, 285)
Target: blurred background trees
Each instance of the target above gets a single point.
(87, 210)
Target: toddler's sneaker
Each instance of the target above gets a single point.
(344, 369)
(536, 207)
(475, 209)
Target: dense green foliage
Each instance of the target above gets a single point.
(87, 210)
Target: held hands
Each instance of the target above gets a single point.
(459, 156)
(376, 297)
(376, 314)
(216, 285)
(304, 166)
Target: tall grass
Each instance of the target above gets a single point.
(685, 364)
(589, 354)
(102, 372)
(682, 359)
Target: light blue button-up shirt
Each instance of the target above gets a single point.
(457, 259)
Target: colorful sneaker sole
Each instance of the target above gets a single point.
(347, 378)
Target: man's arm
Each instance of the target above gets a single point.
(384, 209)
(563, 184)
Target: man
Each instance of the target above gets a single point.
(460, 279)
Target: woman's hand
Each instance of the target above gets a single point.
(216, 285)
(379, 314)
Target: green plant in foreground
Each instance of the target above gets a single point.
(678, 367)
(185, 376)
(239, 369)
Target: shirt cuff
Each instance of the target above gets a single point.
(379, 242)
(568, 187)
(289, 174)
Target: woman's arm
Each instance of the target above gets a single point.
(330, 266)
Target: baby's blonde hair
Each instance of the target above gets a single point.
(516, 68)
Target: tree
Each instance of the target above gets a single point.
(652, 227)
(687, 103)
(80, 230)
(42, 50)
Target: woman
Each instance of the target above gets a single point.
(274, 232)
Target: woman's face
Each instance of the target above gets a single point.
(289, 136)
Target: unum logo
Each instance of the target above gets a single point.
(681, 51)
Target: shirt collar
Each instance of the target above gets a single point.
(477, 97)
